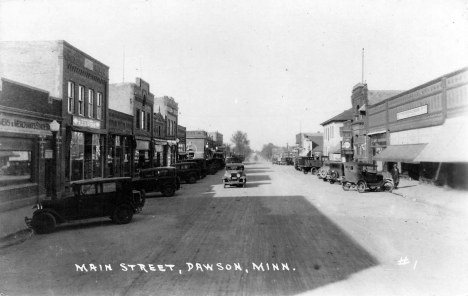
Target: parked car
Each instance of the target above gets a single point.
(188, 171)
(335, 173)
(162, 179)
(313, 164)
(234, 175)
(112, 197)
(364, 176)
(324, 171)
(203, 165)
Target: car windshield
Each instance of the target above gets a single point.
(233, 168)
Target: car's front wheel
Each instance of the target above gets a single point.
(44, 223)
(123, 214)
(387, 186)
(168, 191)
(192, 179)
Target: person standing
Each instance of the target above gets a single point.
(395, 175)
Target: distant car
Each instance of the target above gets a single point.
(363, 176)
(233, 160)
(188, 171)
(234, 175)
(112, 197)
(162, 179)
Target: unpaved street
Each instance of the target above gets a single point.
(286, 233)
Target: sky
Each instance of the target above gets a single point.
(269, 68)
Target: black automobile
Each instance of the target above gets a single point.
(111, 197)
(161, 179)
(203, 165)
(363, 176)
(188, 171)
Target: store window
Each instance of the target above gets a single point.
(127, 156)
(71, 97)
(77, 156)
(90, 103)
(15, 167)
(81, 92)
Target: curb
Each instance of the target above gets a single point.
(16, 238)
(426, 203)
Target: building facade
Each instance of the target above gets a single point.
(182, 144)
(81, 83)
(310, 144)
(28, 165)
(198, 144)
(422, 131)
(332, 137)
(137, 99)
(170, 110)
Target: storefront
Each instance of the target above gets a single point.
(158, 157)
(119, 151)
(27, 170)
(86, 154)
(142, 155)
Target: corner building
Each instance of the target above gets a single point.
(81, 83)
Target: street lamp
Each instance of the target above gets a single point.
(54, 128)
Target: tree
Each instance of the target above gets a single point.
(241, 143)
(267, 150)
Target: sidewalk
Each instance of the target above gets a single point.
(446, 198)
(12, 226)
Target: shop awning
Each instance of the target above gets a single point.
(376, 132)
(450, 144)
(400, 153)
(159, 142)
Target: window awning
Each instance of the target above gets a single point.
(450, 144)
(363, 108)
(400, 153)
(376, 132)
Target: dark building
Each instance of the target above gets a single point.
(28, 165)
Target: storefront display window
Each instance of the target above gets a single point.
(77, 156)
(15, 167)
(127, 156)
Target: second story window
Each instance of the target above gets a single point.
(99, 105)
(142, 126)
(148, 122)
(81, 92)
(71, 97)
(90, 103)
(137, 119)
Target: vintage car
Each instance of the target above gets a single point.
(233, 160)
(188, 171)
(364, 176)
(162, 179)
(335, 173)
(234, 175)
(313, 164)
(324, 172)
(111, 197)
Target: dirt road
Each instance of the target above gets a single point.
(286, 233)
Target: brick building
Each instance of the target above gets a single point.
(80, 82)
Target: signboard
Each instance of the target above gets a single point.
(412, 112)
(21, 125)
(86, 122)
(48, 154)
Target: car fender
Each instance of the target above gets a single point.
(54, 213)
